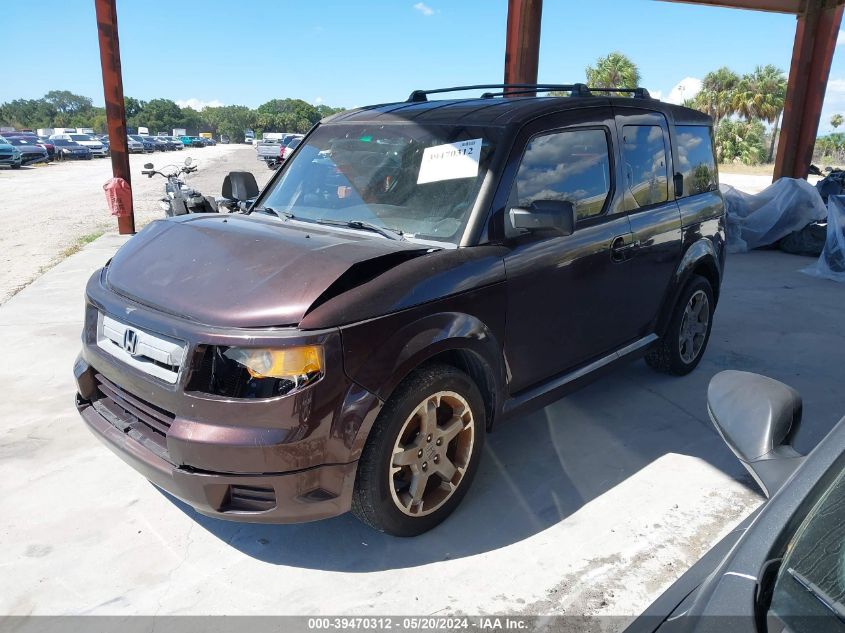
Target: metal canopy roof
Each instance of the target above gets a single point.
(776, 6)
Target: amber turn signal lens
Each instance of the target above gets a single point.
(287, 363)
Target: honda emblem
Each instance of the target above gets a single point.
(130, 341)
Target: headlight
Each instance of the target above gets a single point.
(290, 363)
(245, 372)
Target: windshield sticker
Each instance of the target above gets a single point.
(450, 161)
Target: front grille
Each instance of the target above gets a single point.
(143, 420)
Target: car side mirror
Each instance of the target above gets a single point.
(545, 215)
(757, 418)
(679, 185)
(148, 165)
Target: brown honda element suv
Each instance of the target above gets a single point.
(415, 274)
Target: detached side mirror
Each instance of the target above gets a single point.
(545, 215)
(758, 418)
(148, 165)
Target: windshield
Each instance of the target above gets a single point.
(810, 587)
(422, 181)
(80, 137)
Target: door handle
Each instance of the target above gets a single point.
(622, 250)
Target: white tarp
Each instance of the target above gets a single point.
(755, 220)
(831, 263)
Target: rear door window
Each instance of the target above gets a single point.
(696, 162)
(644, 162)
(573, 165)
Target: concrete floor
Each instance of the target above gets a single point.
(590, 506)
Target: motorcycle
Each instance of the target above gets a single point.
(180, 199)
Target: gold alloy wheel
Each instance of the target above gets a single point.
(694, 326)
(431, 453)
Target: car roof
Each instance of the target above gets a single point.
(498, 111)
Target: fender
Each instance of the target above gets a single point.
(701, 252)
(379, 353)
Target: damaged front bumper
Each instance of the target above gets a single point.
(285, 459)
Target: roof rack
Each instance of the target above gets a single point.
(575, 90)
(636, 93)
(581, 90)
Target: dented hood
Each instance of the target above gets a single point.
(246, 271)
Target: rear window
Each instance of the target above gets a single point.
(695, 159)
(644, 156)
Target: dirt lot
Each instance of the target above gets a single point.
(48, 209)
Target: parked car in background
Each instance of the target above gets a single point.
(209, 140)
(291, 145)
(192, 141)
(224, 139)
(31, 151)
(147, 144)
(445, 266)
(160, 144)
(134, 146)
(10, 156)
(66, 150)
(96, 147)
(169, 143)
(47, 144)
(270, 151)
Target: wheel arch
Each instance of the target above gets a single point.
(700, 258)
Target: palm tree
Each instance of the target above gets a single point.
(761, 95)
(716, 97)
(614, 71)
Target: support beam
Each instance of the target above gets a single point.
(812, 54)
(115, 107)
(522, 43)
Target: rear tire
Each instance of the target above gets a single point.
(422, 452)
(682, 346)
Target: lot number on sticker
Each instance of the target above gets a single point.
(450, 161)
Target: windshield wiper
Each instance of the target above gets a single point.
(391, 234)
(828, 601)
(279, 214)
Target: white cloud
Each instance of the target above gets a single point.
(840, 39)
(656, 94)
(198, 104)
(318, 100)
(685, 89)
(834, 103)
(424, 9)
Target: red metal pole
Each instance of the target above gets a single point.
(115, 108)
(522, 42)
(812, 54)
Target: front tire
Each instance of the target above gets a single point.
(681, 348)
(422, 452)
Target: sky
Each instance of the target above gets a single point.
(355, 52)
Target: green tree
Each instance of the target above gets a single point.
(740, 141)
(159, 115)
(836, 120)
(132, 106)
(717, 94)
(615, 70)
(286, 115)
(762, 95)
(67, 106)
(230, 120)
